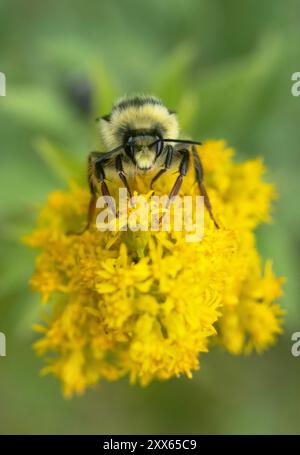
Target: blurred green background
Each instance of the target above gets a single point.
(226, 68)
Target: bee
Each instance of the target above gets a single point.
(142, 136)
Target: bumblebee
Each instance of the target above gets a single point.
(142, 136)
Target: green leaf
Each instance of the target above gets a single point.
(229, 97)
(62, 164)
(38, 108)
(172, 76)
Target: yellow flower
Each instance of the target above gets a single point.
(145, 304)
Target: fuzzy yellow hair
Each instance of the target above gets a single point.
(137, 113)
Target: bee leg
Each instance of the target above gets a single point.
(95, 172)
(119, 169)
(100, 177)
(167, 164)
(91, 211)
(93, 191)
(199, 178)
(183, 168)
(92, 206)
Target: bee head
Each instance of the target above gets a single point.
(143, 147)
(138, 123)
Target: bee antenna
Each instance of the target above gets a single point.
(181, 141)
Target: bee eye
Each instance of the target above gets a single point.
(158, 146)
(129, 147)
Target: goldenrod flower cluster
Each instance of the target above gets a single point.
(146, 304)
